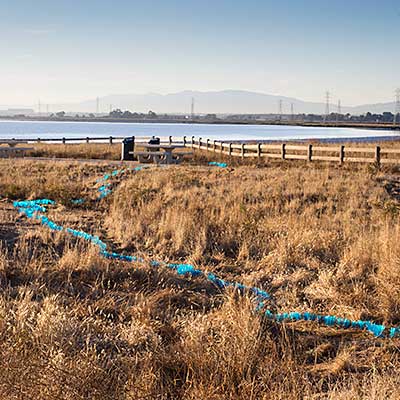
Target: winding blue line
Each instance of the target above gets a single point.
(218, 164)
(34, 209)
(105, 189)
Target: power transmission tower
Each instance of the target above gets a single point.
(280, 109)
(397, 108)
(339, 110)
(292, 111)
(327, 100)
(192, 109)
(97, 105)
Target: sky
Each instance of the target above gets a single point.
(67, 51)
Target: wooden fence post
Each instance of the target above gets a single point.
(199, 142)
(230, 150)
(378, 155)
(133, 143)
(87, 139)
(184, 141)
(38, 139)
(283, 151)
(341, 154)
(259, 150)
(309, 153)
(192, 142)
(63, 140)
(208, 140)
(215, 146)
(242, 149)
(111, 140)
(170, 140)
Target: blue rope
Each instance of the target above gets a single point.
(105, 189)
(34, 209)
(218, 164)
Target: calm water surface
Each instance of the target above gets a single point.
(33, 129)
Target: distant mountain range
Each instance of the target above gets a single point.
(216, 102)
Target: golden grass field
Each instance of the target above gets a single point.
(318, 237)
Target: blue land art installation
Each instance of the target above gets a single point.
(36, 210)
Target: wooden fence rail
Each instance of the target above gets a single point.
(86, 139)
(283, 151)
(308, 152)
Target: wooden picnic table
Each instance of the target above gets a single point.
(160, 153)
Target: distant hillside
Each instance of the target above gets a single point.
(378, 108)
(218, 102)
(222, 102)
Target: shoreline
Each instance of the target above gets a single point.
(380, 126)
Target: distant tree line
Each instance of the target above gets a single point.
(385, 117)
(131, 115)
(366, 118)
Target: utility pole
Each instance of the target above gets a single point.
(339, 110)
(192, 109)
(280, 110)
(327, 100)
(396, 116)
(292, 112)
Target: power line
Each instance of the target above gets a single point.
(327, 100)
(339, 110)
(396, 116)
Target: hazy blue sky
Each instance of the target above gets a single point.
(73, 50)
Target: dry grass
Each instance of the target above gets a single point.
(317, 237)
(79, 151)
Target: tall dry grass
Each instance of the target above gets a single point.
(77, 150)
(317, 237)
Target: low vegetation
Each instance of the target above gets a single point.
(77, 151)
(318, 237)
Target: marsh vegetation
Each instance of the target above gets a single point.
(318, 237)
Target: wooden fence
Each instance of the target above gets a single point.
(65, 140)
(307, 152)
(284, 151)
